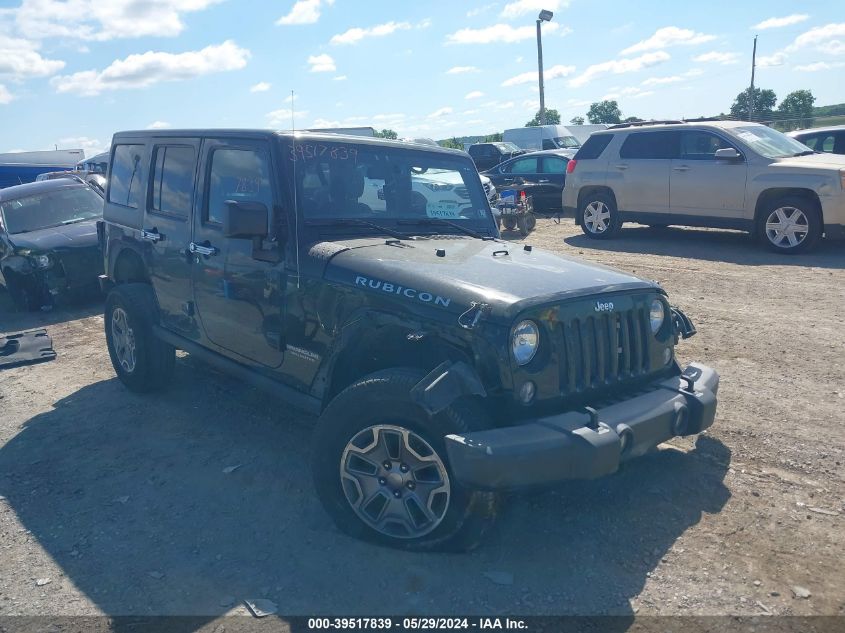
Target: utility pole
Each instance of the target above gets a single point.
(751, 94)
(545, 16)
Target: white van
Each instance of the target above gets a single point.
(542, 137)
(582, 132)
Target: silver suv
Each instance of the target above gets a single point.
(722, 174)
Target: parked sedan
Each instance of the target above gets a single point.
(830, 140)
(541, 175)
(48, 240)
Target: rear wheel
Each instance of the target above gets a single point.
(381, 470)
(599, 217)
(790, 225)
(142, 362)
(526, 223)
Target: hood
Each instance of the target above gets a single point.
(77, 235)
(814, 161)
(501, 274)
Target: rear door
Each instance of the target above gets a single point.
(703, 186)
(239, 300)
(167, 228)
(551, 180)
(640, 177)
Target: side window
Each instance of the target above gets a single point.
(524, 166)
(594, 146)
(696, 145)
(826, 144)
(476, 151)
(549, 144)
(237, 174)
(554, 165)
(172, 185)
(650, 145)
(810, 141)
(124, 185)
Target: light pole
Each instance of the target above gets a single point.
(545, 16)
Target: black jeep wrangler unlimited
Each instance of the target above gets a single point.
(365, 281)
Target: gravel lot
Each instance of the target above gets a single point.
(122, 505)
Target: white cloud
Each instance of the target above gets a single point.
(340, 78)
(282, 117)
(321, 64)
(479, 10)
(521, 7)
(20, 59)
(5, 95)
(833, 47)
(475, 94)
(440, 113)
(768, 61)
(498, 33)
(261, 86)
(532, 76)
(717, 57)
(396, 116)
(303, 12)
(458, 70)
(660, 81)
(775, 23)
(146, 69)
(158, 125)
(97, 20)
(619, 66)
(669, 36)
(818, 66)
(356, 34)
(818, 35)
(90, 145)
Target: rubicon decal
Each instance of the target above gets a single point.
(402, 291)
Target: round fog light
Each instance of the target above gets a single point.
(527, 391)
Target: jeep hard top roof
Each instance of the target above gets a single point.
(326, 137)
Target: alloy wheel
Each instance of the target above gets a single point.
(395, 481)
(597, 217)
(787, 227)
(124, 339)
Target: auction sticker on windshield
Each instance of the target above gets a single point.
(442, 209)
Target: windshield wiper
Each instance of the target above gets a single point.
(357, 222)
(805, 153)
(444, 222)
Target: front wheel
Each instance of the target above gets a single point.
(599, 217)
(381, 471)
(790, 225)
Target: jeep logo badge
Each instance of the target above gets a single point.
(604, 307)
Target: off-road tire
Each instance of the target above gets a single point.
(154, 359)
(814, 224)
(509, 222)
(613, 224)
(384, 398)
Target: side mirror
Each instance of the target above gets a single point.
(727, 153)
(245, 220)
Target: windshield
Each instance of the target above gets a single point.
(41, 211)
(768, 142)
(566, 142)
(383, 185)
(508, 147)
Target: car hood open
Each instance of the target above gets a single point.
(452, 272)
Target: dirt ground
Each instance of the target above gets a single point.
(121, 502)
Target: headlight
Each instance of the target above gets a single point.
(525, 338)
(41, 261)
(657, 315)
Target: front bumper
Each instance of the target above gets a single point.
(585, 445)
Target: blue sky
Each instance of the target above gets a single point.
(72, 72)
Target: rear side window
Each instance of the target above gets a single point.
(594, 146)
(650, 145)
(240, 175)
(554, 165)
(124, 186)
(172, 185)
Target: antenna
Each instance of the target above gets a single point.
(295, 203)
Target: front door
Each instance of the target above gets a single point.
(240, 300)
(702, 185)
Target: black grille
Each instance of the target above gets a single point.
(462, 192)
(603, 349)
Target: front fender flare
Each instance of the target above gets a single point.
(446, 383)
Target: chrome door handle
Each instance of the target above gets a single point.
(681, 168)
(622, 167)
(152, 235)
(544, 180)
(202, 249)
